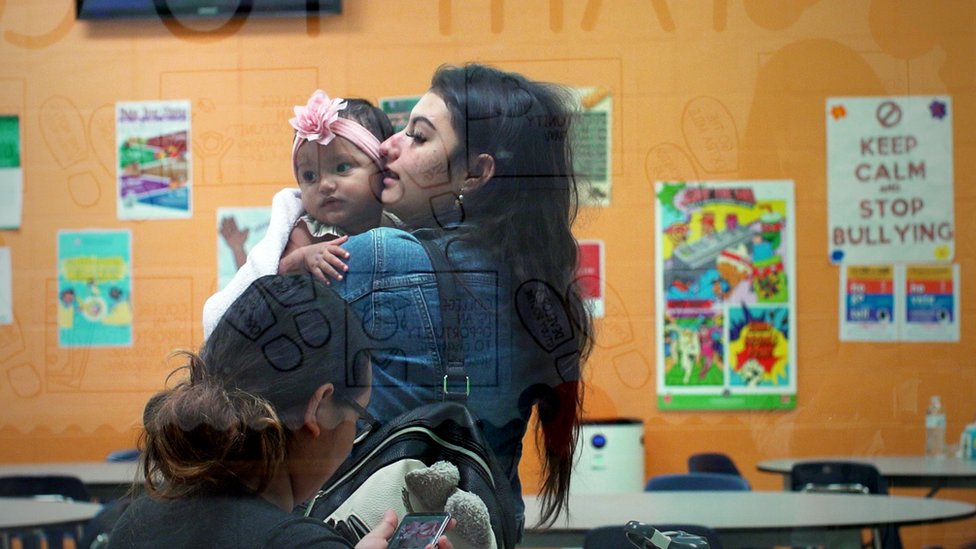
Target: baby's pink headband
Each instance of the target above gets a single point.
(319, 121)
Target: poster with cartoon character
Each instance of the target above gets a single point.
(725, 285)
(94, 288)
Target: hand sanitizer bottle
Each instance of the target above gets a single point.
(935, 426)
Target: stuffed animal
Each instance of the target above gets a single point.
(435, 488)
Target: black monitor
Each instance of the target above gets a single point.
(137, 9)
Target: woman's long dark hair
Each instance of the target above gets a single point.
(523, 216)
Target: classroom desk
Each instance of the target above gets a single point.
(745, 519)
(105, 480)
(899, 471)
(26, 513)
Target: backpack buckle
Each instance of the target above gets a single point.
(457, 386)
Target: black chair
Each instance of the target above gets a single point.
(696, 481)
(712, 462)
(46, 486)
(845, 477)
(613, 537)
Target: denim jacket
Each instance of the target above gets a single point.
(391, 284)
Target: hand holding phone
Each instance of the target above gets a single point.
(418, 530)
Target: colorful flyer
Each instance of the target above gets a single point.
(154, 171)
(589, 273)
(592, 148)
(6, 287)
(931, 294)
(889, 179)
(11, 173)
(867, 303)
(726, 297)
(94, 288)
(238, 230)
(398, 109)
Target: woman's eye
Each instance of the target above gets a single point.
(416, 137)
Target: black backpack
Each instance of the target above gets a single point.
(371, 480)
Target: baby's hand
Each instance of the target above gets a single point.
(325, 259)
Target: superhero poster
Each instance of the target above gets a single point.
(725, 285)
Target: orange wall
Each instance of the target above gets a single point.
(769, 63)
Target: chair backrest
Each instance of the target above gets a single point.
(696, 481)
(712, 462)
(613, 537)
(837, 476)
(65, 486)
(124, 455)
(846, 477)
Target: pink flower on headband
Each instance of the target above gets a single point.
(313, 121)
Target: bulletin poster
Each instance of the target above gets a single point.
(94, 288)
(726, 299)
(153, 166)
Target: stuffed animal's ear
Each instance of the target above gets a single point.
(473, 521)
(430, 487)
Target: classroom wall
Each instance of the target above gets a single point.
(767, 64)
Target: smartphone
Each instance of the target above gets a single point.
(646, 536)
(418, 530)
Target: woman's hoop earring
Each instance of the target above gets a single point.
(459, 201)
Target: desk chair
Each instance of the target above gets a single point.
(46, 486)
(696, 481)
(613, 537)
(846, 477)
(712, 462)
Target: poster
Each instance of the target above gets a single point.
(398, 109)
(867, 303)
(592, 145)
(154, 173)
(931, 297)
(725, 285)
(6, 287)
(238, 230)
(889, 179)
(11, 173)
(590, 275)
(94, 297)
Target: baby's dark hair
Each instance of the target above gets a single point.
(369, 117)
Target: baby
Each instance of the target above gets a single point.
(336, 162)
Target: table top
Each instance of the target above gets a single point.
(904, 471)
(750, 510)
(743, 517)
(92, 473)
(30, 513)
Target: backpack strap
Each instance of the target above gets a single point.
(456, 383)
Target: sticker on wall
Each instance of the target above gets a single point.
(6, 288)
(11, 173)
(889, 179)
(725, 285)
(931, 297)
(592, 145)
(589, 273)
(94, 288)
(398, 109)
(238, 230)
(154, 172)
(867, 303)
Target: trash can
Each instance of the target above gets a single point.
(610, 457)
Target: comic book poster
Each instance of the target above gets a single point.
(154, 173)
(94, 288)
(725, 285)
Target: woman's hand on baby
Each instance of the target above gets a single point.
(325, 260)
